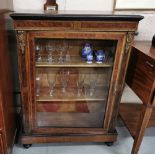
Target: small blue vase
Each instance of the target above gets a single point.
(87, 50)
(89, 58)
(100, 56)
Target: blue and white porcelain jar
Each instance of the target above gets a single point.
(87, 50)
(100, 56)
(90, 58)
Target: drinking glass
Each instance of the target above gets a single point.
(51, 82)
(92, 83)
(39, 50)
(38, 83)
(62, 49)
(64, 76)
(86, 85)
(68, 57)
(50, 49)
(80, 83)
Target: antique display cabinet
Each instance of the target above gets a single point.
(66, 98)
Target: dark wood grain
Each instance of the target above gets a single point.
(141, 72)
(141, 79)
(145, 47)
(69, 138)
(131, 114)
(1, 144)
(7, 107)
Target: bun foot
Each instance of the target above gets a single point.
(109, 143)
(26, 146)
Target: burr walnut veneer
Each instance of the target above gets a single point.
(58, 106)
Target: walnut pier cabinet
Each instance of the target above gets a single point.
(64, 97)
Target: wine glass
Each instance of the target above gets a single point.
(64, 76)
(68, 57)
(80, 83)
(92, 83)
(51, 82)
(50, 49)
(38, 83)
(39, 49)
(86, 84)
(62, 48)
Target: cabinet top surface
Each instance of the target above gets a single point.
(145, 47)
(74, 15)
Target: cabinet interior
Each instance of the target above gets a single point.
(71, 92)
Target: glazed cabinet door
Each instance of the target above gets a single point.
(67, 93)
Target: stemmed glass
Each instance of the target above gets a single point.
(80, 83)
(50, 49)
(38, 83)
(39, 49)
(62, 48)
(68, 57)
(92, 83)
(51, 82)
(64, 76)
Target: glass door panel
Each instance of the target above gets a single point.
(70, 90)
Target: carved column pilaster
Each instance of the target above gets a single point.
(129, 40)
(21, 45)
(21, 41)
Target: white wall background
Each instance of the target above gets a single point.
(7, 4)
(146, 27)
(101, 5)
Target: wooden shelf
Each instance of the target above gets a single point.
(71, 95)
(48, 98)
(75, 62)
(130, 114)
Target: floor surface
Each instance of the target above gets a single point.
(122, 145)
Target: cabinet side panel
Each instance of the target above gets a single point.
(6, 87)
(1, 145)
